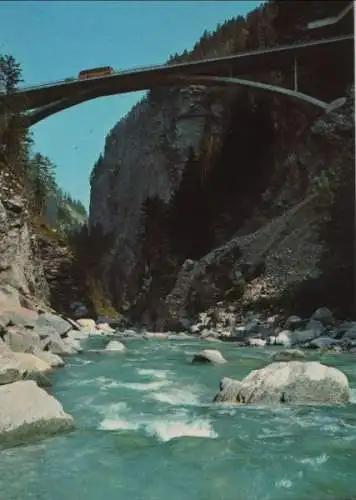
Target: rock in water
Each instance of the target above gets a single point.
(209, 356)
(288, 355)
(293, 382)
(27, 412)
(115, 346)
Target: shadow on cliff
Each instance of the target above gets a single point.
(213, 200)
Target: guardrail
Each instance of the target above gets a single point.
(201, 61)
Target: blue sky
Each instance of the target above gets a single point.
(55, 40)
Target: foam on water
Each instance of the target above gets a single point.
(161, 374)
(167, 430)
(113, 424)
(143, 386)
(284, 483)
(80, 362)
(319, 460)
(118, 417)
(177, 396)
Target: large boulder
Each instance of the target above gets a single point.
(302, 336)
(209, 356)
(105, 328)
(284, 338)
(52, 359)
(18, 366)
(324, 315)
(88, 324)
(323, 343)
(350, 331)
(252, 342)
(56, 323)
(19, 316)
(293, 382)
(27, 412)
(20, 339)
(78, 334)
(54, 343)
(293, 322)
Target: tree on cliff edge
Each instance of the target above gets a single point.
(14, 138)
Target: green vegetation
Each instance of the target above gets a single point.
(34, 173)
(88, 250)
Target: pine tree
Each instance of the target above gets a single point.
(41, 176)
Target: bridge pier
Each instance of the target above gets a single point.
(295, 70)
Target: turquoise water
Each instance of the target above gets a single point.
(146, 429)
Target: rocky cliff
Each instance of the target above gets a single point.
(37, 267)
(210, 194)
(21, 273)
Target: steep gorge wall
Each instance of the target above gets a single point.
(22, 277)
(145, 156)
(188, 169)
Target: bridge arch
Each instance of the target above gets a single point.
(46, 111)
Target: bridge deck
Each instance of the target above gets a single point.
(241, 64)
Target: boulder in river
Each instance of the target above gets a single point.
(293, 382)
(288, 355)
(209, 356)
(252, 342)
(27, 411)
(115, 346)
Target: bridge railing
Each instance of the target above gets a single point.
(225, 58)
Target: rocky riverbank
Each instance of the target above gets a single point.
(32, 345)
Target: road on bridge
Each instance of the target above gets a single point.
(240, 64)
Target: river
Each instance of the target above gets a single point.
(147, 430)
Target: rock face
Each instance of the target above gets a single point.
(209, 195)
(28, 412)
(168, 132)
(65, 279)
(20, 270)
(293, 382)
